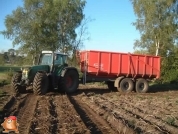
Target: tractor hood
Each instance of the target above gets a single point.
(34, 69)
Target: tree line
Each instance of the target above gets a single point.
(157, 22)
(61, 25)
(57, 25)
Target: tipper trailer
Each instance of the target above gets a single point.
(122, 71)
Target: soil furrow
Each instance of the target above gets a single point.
(69, 120)
(120, 124)
(160, 109)
(161, 125)
(152, 119)
(12, 107)
(25, 114)
(129, 119)
(42, 119)
(54, 122)
(103, 126)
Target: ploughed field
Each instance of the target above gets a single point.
(96, 110)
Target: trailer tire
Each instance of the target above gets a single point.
(126, 85)
(40, 83)
(69, 82)
(111, 86)
(16, 79)
(141, 86)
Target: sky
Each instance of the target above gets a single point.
(110, 30)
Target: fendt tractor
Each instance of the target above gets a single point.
(122, 71)
(52, 72)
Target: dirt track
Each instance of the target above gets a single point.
(95, 111)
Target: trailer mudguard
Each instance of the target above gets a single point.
(117, 81)
(66, 69)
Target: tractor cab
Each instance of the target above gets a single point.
(53, 59)
(47, 58)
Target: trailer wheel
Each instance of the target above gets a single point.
(141, 86)
(69, 83)
(126, 85)
(111, 86)
(15, 83)
(40, 83)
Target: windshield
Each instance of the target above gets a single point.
(60, 59)
(46, 59)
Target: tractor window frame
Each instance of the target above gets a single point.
(48, 59)
(59, 59)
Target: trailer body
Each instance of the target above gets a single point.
(108, 66)
(114, 64)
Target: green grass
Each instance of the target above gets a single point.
(7, 68)
(5, 77)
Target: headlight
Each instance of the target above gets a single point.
(25, 72)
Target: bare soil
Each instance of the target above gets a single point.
(93, 109)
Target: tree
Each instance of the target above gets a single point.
(44, 24)
(82, 35)
(157, 24)
(2, 62)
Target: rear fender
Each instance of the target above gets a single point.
(66, 69)
(117, 81)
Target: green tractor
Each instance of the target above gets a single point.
(51, 73)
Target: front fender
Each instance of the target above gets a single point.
(66, 69)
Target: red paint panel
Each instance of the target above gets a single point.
(116, 64)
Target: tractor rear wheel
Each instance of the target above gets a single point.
(126, 85)
(40, 83)
(111, 86)
(16, 79)
(69, 83)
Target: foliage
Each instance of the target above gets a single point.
(2, 62)
(157, 24)
(44, 24)
(5, 77)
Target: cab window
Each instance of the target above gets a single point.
(46, 59)
(58, 60)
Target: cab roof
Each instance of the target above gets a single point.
(54, 52)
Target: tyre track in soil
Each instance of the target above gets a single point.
(22, 107)
(117, 124)
(45, 118)
(159, 109)
(139, 113)
(25, 114)
(69, 120)
(55, 114)
(92, 120)
(13, 105)
(148, 114)
(127, 119)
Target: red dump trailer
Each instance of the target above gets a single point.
(123, 71)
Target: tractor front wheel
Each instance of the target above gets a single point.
(69, 83)
(40, 83)
(15, 83)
